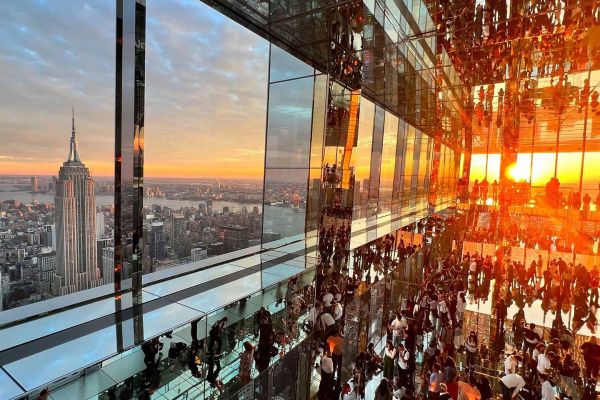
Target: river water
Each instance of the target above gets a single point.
(106, 200)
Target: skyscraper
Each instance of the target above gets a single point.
(156, 241)
(46, 270)
(34, 185)
(102, 244)
(108, 265)
(49, 238)
(75, 214)
(100, 226)
(178, 235)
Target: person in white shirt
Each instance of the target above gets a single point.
(403, 358)
(471, 345)
(443, 309)
(327, 321)
(539, 349)
(399, 326)
(511, 385)
(461, 306)
(326, 371)
(473, 267)
(548, 391)
(338, 310)
(327, 298)
(512, 363)
(543, 363)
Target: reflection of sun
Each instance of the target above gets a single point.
(518, 172)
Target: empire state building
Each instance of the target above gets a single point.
(75, 214)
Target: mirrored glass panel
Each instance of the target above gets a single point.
(388, 163)
(285, 205)
(289, 124)
(204, 135)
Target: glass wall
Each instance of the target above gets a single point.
(399, 174)
(204, 135)
(57, 150)
(288, 149)
(408, 169)
(388, 164)
(361, 160)
(376, 152)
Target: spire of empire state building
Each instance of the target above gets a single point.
(73, 151)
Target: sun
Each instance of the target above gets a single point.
(518, 172)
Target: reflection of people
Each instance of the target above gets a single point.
(495, 191)
(326, 371)
(215, 334)
(587, 200)
(591, 356)
(246, 359)
(511, 385)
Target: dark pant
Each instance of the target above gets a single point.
(591, 368)
(433, 395)
(506, 392)
(211, 344)
(194, 325)
(528, 347)
(326, 386)
(337, 365)
(403, 377)
(214, 367)
(471, 356)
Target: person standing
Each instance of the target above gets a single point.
(591, 357)
(388, 360)
(532, 338)
(336, 346)
(326, 372)
(398, 326)
(215, 334)
(511, 364)
(435, 382)
(471, 346)
(567, 371)
(403, 366)
(246, 359)
(501, 312)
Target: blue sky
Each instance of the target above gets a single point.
(206, 87)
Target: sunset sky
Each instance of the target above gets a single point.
(206, 89)
(569, 168)
(206, 94)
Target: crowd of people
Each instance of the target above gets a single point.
(346, 24)
(521, 194)
(483, 39)
(430, 349)
(529, 232)
(537, 364)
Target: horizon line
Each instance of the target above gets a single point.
(147, 177)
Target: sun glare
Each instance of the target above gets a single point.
(518, 172)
